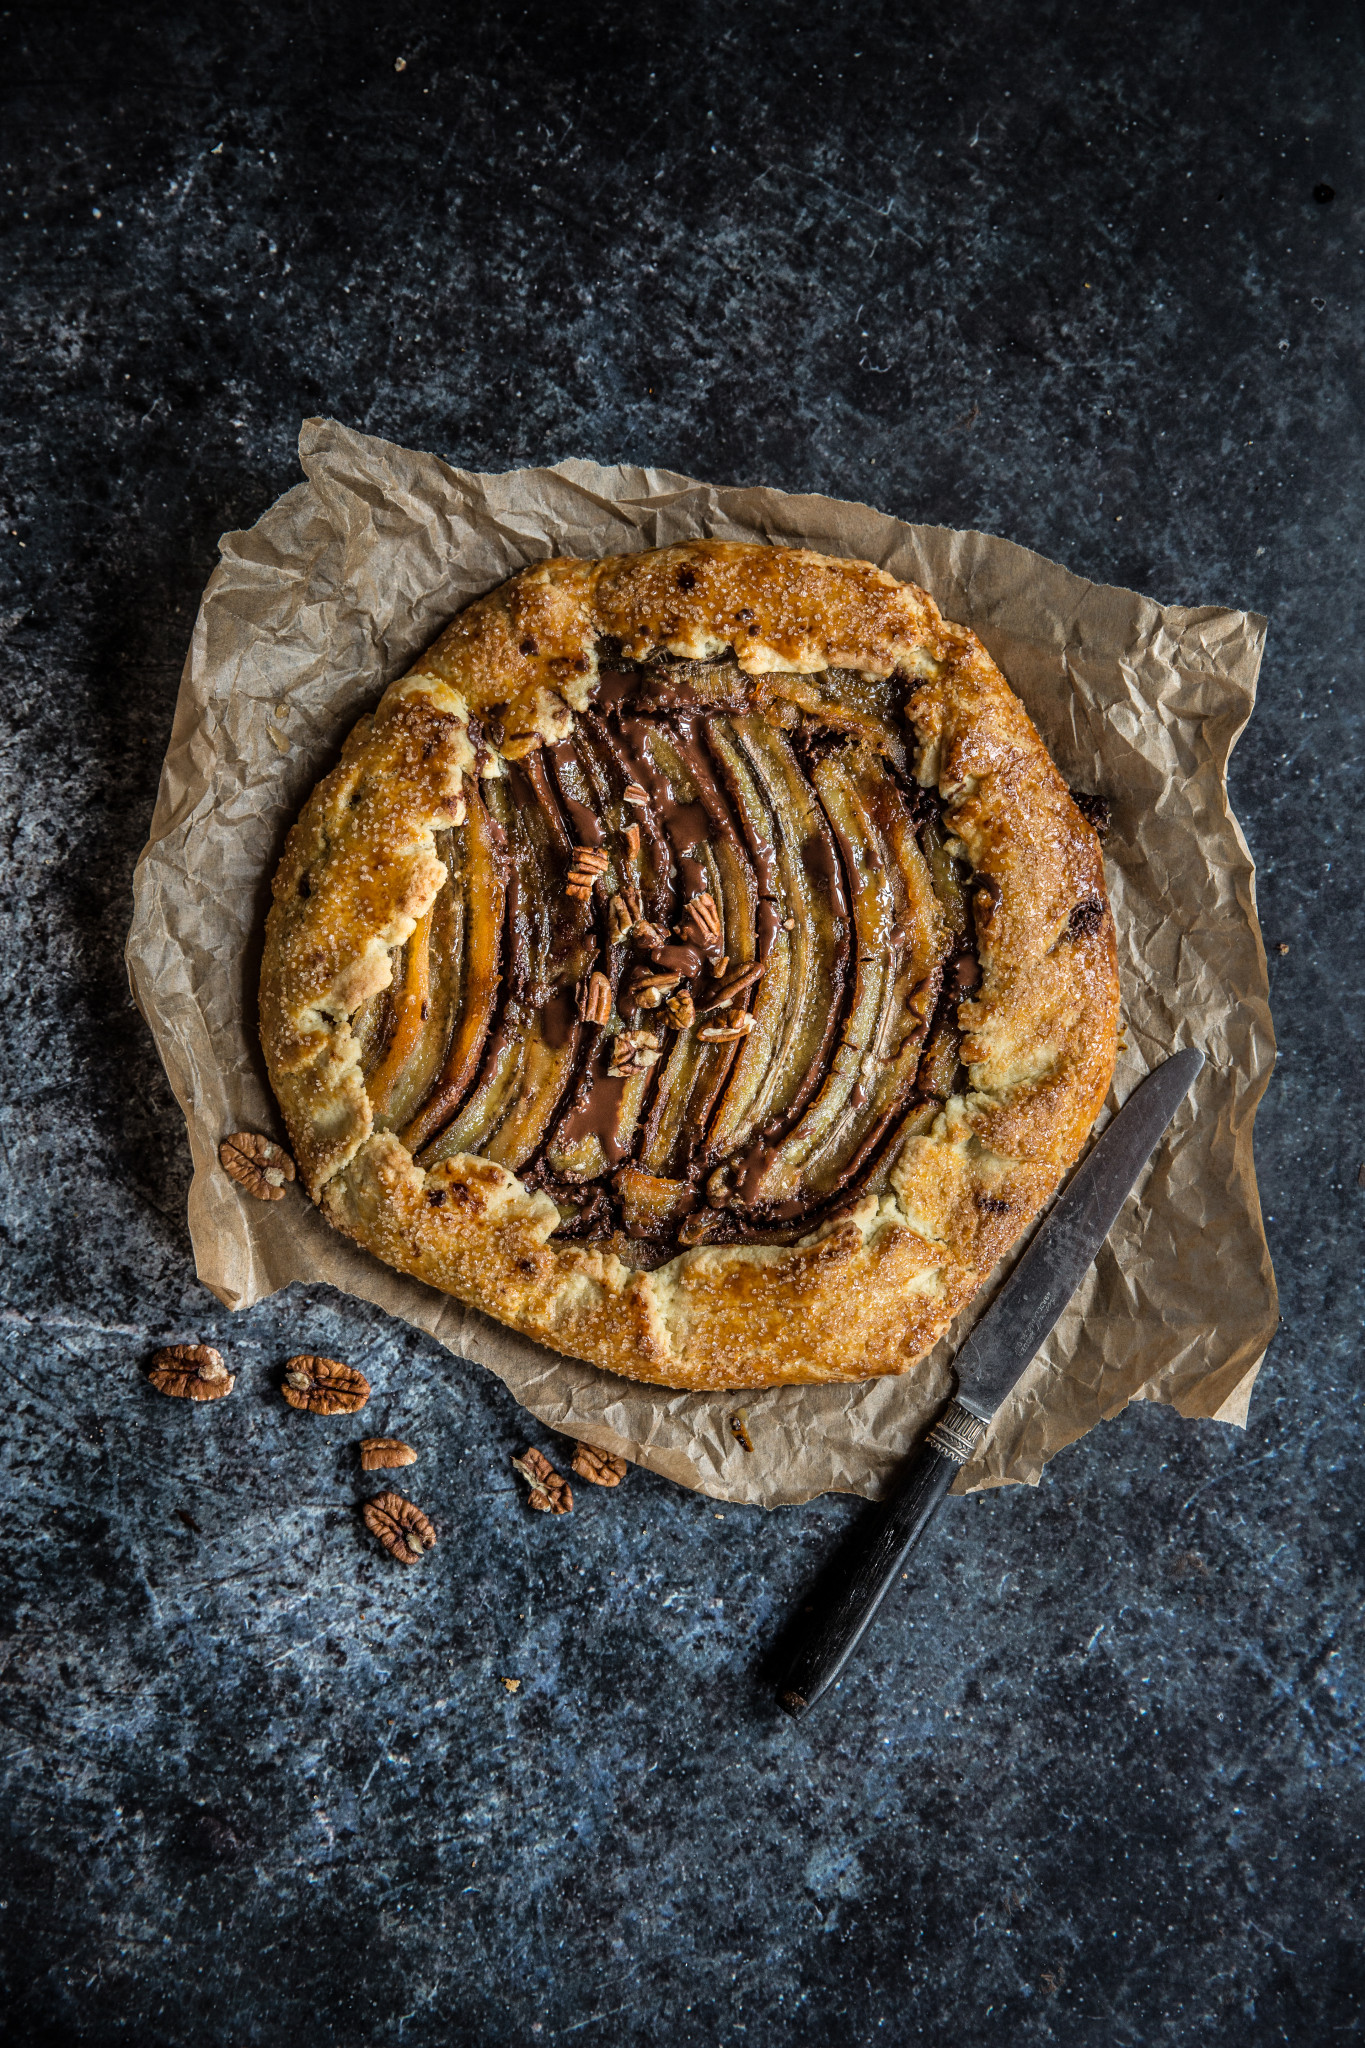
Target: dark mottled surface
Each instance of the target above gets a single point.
(1055, 271)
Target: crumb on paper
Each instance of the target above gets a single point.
(512, 1684)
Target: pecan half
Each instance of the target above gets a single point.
(193, 1372)
(256, 1164)
(630, 1051)
(729, 986)
(619, 919)
(549, 1492)
(680, 1010)
(600, 1468)
(739, 1025)
(700, 924)
(594, 998)
(378, 1453)
(402, 1528)
(324, 1386)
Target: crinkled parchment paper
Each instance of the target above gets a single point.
(314, 610)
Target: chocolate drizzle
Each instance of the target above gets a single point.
(777, 872)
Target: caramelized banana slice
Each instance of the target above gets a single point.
(873, 908)
(528, 953)
(916, 945)
(480, 878)
(813, 891)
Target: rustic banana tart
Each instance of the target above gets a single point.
(697, 963)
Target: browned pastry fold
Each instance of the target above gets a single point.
(698, 964)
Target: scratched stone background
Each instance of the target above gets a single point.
(1088, 277)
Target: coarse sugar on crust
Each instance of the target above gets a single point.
(790, 790)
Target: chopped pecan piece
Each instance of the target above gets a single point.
(729, 986)
(549, 1492)
(619, 919)
(324, 1386)
(378, 1453)
(738, 1024)
(633, 794)
(680, 1010)
(648, 988)
(632, 839)
(600, 1468)
(701, 923)
(194, 1372)
(256, 1164)
(646, 934)
(630, 1051)
(718, 1188)
(402, 1528)
(594, 998)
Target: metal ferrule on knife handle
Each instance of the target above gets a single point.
(958, 1433)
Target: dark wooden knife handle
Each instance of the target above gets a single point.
(835, 1633)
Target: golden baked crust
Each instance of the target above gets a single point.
(731, 1262)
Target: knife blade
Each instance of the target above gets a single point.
(996, 1354)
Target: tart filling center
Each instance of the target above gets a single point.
(696, 969)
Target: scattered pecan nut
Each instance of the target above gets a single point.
(324, 1386)
(377, 1453)
(193, 1372)
(599, 1468)
(402, 1528)
(256, 1164)
(632, 839)
(633, 794)
(594, 998)
(549, 1492)
(619, 919)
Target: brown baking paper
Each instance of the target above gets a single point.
(351, 575)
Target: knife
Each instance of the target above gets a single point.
(995, 1355)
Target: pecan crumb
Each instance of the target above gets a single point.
(193, 1372)
(379, 1452)
(324, 1386)
(600, 1468)
(549, 1492)
(256, 1164)
(402, 1528)
(512, 1684)
(739, 1429)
